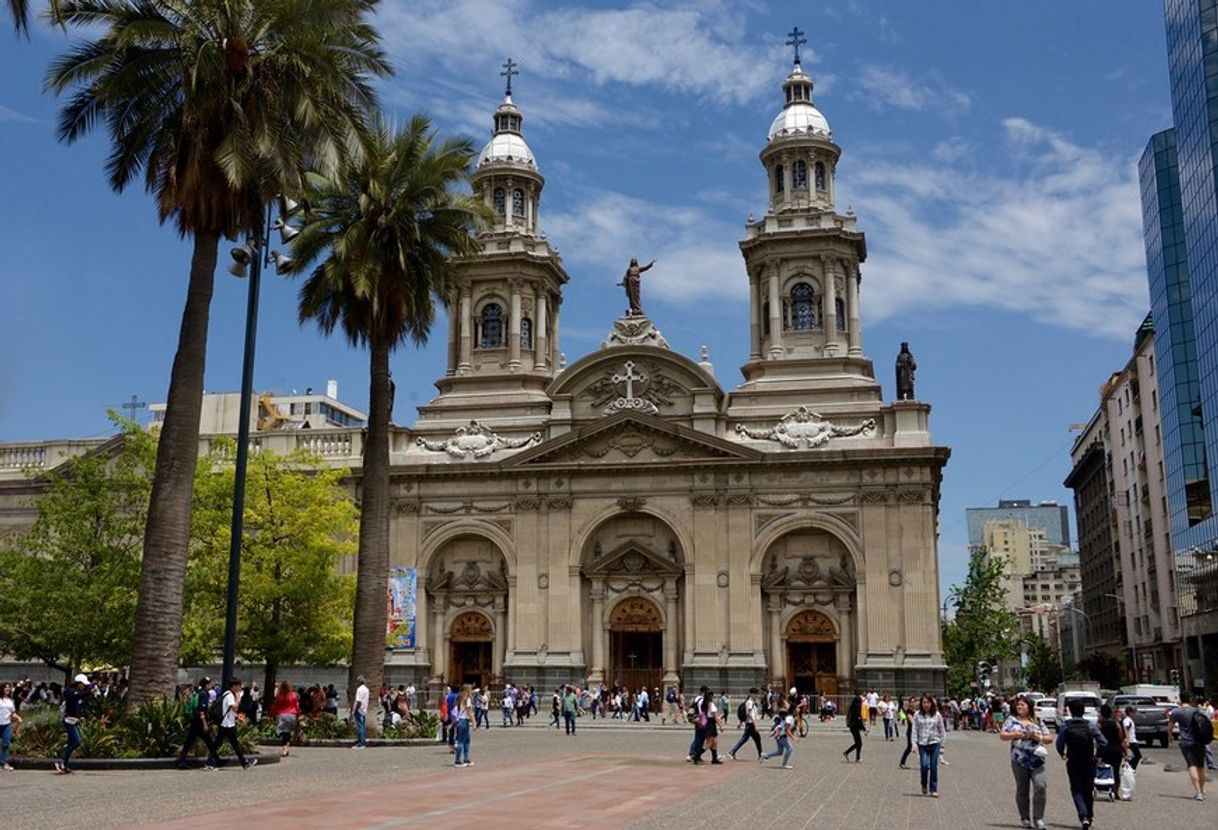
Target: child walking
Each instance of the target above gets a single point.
(784, 733)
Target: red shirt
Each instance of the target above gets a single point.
(288, 704)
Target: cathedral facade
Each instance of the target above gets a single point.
(625, 519)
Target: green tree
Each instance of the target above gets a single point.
(982, 627)
(1044, 666)
(385, 238)
(221, 104)
(67, 586)
(295, 603)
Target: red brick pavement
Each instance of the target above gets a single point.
(566, 792)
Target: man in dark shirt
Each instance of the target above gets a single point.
(200, 728)
(1184, 716)
(74, 699)
(1078, 741)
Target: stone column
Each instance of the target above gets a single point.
(845, 643)
(670, 632)
(830, 300)
(509, 212)
(453, 323)
(777, 663)
(540, 339)
(596, 672)
(439, 663)
(529, 224)
(514, 326)
(554, 349)
(775, 313)
(500, 647)
(852, 309)
(464, 365)
(754, 318)
(788, 179)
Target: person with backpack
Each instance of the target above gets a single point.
(857, 726)
(1078, 741)
(697, 715)
(746, 714)
(228, 723)
(197, 705)
(783, 731)
(1196, 733)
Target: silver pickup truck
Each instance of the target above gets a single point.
(1150, 718)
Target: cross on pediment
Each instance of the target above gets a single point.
(630, 377)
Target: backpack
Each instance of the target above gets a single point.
(1203, 729)
(1079, 742)
(671, 697)
(195, 703)
(694, 711)
(215, 710)
(742, 714)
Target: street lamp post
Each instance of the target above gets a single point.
(254, 253)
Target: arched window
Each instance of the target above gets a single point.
(820, 175)
(518, 202)
(803, 307)
(779, 184)
(800, 173)
(492, 326)
(499, 201)
(526, 333)
(840, 307)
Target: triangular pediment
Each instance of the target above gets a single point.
(631, 560)
(632, 438)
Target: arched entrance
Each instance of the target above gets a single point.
(472, 638)
(636, 644)
(811, 641)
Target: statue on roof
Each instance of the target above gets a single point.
(631, 282)
(905, 374)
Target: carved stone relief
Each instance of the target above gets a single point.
(635, 387)
(804, 429)
(476, 441)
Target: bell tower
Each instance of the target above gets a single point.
(503, 330)
(803, 256)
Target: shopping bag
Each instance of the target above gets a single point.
(1129, 780)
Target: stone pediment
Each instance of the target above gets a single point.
(633, 561)
(632, 438)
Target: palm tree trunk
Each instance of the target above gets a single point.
(372, 579)
(158, 617)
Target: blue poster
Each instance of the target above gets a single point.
(403, 588)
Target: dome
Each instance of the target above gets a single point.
(799, 119)
(506, 147)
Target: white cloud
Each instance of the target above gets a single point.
(1057, 238)
(567, 54)
(10, 115)
(952, 149)
(887, 87)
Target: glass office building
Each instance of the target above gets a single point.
(1179, 178)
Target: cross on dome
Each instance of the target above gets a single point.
(796, 38)
(509, 69)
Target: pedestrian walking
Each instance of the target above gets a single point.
(1028, 737)
(570, 708)
(74, 698)
(783, 733)
(462, 717)
(747, 714)
(1131, 738)
(928, 735)
(888, 712)
(197, 705)
(1078, 741)
(8, 715)
(1196, 733)
(857, 726)
(359, 712)
(506, 705)
(483, 697)
(285, 709)
(698, 717)
(906, 717)
(228, 723)
(1114, 753)
(873, 701)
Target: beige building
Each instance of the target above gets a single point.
(1146, 595)
(627, 518)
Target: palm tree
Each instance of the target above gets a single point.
(20, 11)
(220, 104)
(389, 233)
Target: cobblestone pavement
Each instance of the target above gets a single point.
(620, 776)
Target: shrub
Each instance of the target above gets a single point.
(155, 729)
(326, 726)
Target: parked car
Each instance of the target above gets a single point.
(1149, 717)
(1045, 710)
(1091, 704)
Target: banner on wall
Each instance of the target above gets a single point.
(403, 592)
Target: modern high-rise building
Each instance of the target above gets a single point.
(1049, 516)
(1179, 178)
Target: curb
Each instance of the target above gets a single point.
(130, 763)
(348, 743)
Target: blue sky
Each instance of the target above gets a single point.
(988, 150)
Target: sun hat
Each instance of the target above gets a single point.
(81, 678)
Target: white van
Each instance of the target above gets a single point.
(1091, 706)
(1166, 696)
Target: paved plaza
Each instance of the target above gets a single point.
(621, 776)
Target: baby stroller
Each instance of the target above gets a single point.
(1105, 781)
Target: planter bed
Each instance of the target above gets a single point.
(84, 764)
(345, 743)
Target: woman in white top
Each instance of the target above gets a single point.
(928, 734)
(1131, 733)
(8, 714)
